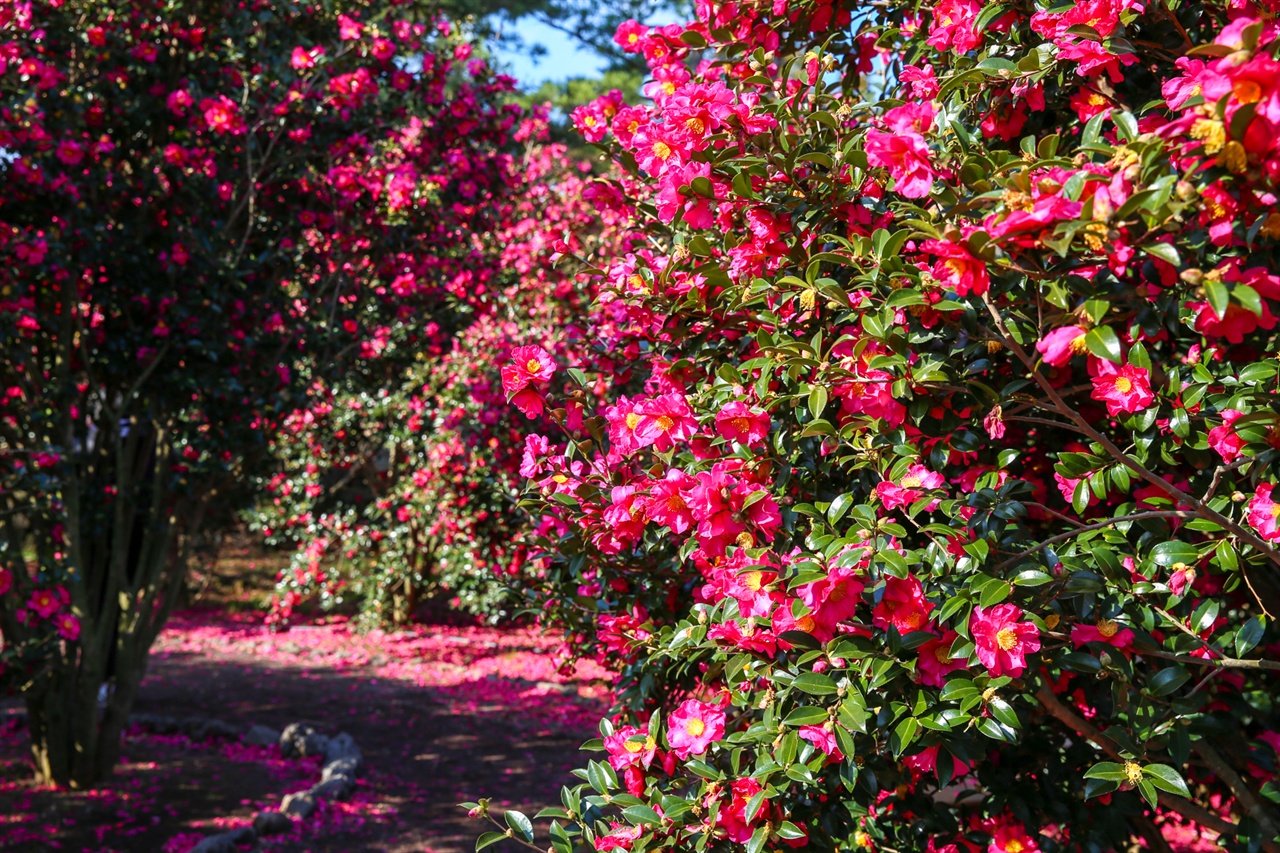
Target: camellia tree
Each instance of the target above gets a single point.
(940, 512)
(206, 208)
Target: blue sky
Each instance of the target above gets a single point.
(564, 58)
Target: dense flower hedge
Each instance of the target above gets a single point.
(937, 513)
(404, 488)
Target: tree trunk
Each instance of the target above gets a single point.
(75, 737)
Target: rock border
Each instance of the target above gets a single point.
(343, 763)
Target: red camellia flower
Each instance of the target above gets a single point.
(1124, 388)
(936, 660)
(903, 606)
(529, 402)
(906, 156)
(1264, 513)
(528, 365)
(665, 420)
(957, 268)
(1002, 641)
(693, 727)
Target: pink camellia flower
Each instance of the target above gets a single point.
(302, 58)
(664, 421)
(1264, 513)
(693, 727)
(824, 739)
(619, 838)
(178, 101)
(1224, 439)
(1002, 641)
(6, 580)
(902, 606)
(222, 115)
(957, 268)
(630, 34)
(629, 746)
(70, 152)
(1234, 324)
(46, 602)
(625, 514)
(349, 29)
(953, 25)
(910, 488)
(1105, 631)
(1059, 346)
(833, 599)
(1124, 388)
(907, 157)
(536, 448)
(737, 422)
(927, 762)
(936, 660)
(527, 365)
(667, 505)
(1011, 838)
(68, 627)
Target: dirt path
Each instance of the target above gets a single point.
(443, 715)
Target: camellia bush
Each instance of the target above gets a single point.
(395, 490)
(938, 512)
(206, 209)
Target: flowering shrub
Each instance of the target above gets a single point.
(410, 489)
(206, 210)
(942, 519)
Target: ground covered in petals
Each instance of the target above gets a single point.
(443, 714)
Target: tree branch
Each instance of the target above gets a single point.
(1191, 811)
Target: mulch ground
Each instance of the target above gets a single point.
(443, 714)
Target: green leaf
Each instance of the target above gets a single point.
(641, 816)
(1148, 791)
(1168, 553)
(817, 400)
(1250, 634)
(809, 715)
(839, 507)
(1167, 680)
(904, 734)
(1219, 296)
(815, 683)
(489, 839)
(1164, 252)
(1109, 770)
(1166, 778)
(521, 824)
(1104, 343)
